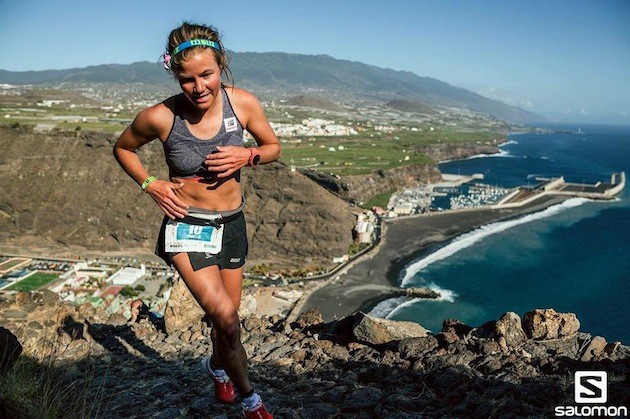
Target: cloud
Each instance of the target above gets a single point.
(585, 111)
(505, 96)
(526, 103)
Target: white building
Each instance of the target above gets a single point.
(127, 275)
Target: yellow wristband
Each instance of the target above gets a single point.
(146, 183)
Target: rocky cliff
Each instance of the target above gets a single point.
(66, 193)
(357, 366)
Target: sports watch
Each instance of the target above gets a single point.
(254, 157)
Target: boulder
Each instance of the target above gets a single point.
(548, 324)
(416, 348)
(452, 331)
(509, 332)
(248, 306)
(594, 350)
(116, 319)
(182, 310)
(309, 318)
(10, 350)
(375, 331)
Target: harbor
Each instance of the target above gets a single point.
(456, 192)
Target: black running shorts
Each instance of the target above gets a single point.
(232, 254)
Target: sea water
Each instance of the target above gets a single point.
(573, 257)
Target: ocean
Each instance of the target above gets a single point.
(573, 257)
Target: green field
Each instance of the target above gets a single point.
(33, 282)
(369, 151)
(380, 200)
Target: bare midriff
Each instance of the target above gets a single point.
(214, 196)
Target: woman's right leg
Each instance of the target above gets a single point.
(208, 289)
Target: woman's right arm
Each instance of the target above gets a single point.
(145, 128)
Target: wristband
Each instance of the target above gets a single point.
(146, 183)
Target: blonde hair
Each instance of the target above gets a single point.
(189, 31)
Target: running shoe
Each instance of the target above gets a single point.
(223, 387)
(259, 413)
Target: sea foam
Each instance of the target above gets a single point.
(387, 308)
(468, 239)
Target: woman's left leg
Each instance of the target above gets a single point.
(233, 282)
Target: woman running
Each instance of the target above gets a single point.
(203, 233)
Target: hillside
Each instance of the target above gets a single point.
(409, 106)
(313, 102)
(66, 193)
(293, 74)
(355, 367)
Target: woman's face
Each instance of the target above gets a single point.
(200, 78)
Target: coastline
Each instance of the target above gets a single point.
(369, 281)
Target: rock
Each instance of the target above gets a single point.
(594, 350)
(248, 307)
(46, 297)
(548, 324)
(298, 355)
(186, 335)
(182, 310)
(415, 348)
(487, 347)
(452, 331)
(334, 395)
(22, 298)
(201, 405)
(116, 319)
(251, 323)
(319, 410)
(377, 331)
(14, 314)
(363, 398)
(309, 318)
(338, 352)
(10, 350)
(509, 331)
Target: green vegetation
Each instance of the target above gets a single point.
(33, 282)
(261, 269)
(34, 390)
(140, 288)
(356, 247)
(128, 292)
(379, 200)
(369, 151)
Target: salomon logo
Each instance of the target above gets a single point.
(591, 387)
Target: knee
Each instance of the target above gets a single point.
(228, 330)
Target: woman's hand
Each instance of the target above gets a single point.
(162, 193)
(227, 160)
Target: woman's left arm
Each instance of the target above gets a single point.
(250, 112)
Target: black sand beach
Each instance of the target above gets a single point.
(368, 281)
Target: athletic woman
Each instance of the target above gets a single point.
(203, 232)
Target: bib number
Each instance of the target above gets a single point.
(182, 237)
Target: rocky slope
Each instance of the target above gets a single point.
(356, 367)
(65, 191)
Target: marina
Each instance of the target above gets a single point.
(457, 192)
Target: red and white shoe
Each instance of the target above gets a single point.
(259, 413)
(223, 388)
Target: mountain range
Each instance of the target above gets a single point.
(293, 74)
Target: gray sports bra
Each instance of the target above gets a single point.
(185, 154)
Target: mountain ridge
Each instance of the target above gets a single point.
(291, 74)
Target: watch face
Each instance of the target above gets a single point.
(256, 160)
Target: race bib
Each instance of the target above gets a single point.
(230, 124)
(183, 237)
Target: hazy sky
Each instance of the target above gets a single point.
(566, 60)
